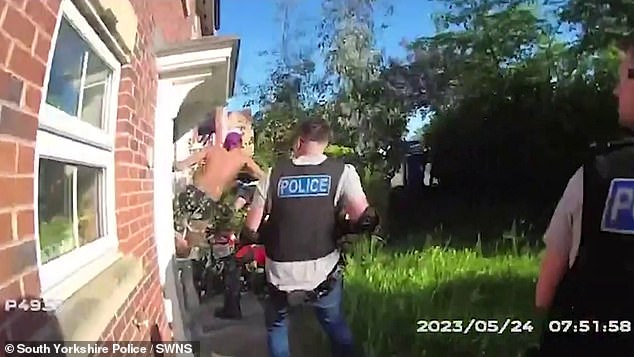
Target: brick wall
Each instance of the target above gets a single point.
(26, 27)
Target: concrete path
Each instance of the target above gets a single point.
(229, 338)
(247, 337)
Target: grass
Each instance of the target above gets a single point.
(389, 289)
(56, 238)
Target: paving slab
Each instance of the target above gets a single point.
(247, 337)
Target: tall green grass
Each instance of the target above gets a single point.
(387, 290)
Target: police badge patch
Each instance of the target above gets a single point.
(303, 186)
(618, 213)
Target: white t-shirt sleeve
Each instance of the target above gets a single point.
(350, 187)
(261, 191)
(561, 235)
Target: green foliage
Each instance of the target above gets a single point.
(56, 237)
(377, 189)
(372, 104)
(339, 151)
(602, 22)
(513, 107)
(389, 290)
(367, 113)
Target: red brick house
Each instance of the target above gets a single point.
(92, 95)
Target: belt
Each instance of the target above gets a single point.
(301, 297)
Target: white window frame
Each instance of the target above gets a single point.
(64, 138)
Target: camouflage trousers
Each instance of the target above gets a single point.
(197, 205)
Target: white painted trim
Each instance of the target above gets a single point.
(88, 33)
(196, 28)
(103, 28)
(67, 139)
(68, 287)
(199, 78)
(228, 83)
(55, 272)
(168, 102)
(72, 151)
(61, 123)
(192, 59)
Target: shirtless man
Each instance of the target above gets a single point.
(216, 177)
(221, 166)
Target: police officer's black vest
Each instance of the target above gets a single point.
(600, 284)
(604, 266)
(302, 216)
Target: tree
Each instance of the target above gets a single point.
(293, 91)
(601, 22)
(514, 107)
(373, 100)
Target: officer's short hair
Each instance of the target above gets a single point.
(317, 130)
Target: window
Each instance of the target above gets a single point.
(69, 207)
(75, 151)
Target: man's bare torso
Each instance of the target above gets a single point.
(219, 171)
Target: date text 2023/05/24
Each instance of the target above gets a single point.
(475, 325)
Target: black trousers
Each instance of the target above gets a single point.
(231, 276)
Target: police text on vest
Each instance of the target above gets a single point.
(618, 213)
(303, 186)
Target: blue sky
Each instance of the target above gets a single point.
(259, 26)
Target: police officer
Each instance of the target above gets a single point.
(586, 279)
(303, 265)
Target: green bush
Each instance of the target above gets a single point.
(377, 189)
(338, 151)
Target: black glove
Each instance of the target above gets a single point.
(344, 226)
(368, 221)
(248, 236)
(349, 232)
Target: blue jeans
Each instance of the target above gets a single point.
(329, 311)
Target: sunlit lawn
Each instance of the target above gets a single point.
(388, 290)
